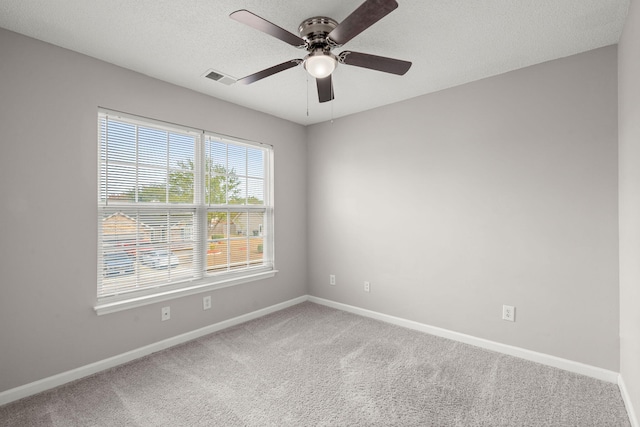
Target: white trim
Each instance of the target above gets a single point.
(545, 359)
(533, 356)
(633, 419)
(126, 304)
(92, 368)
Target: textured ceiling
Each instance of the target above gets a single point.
(450, 42)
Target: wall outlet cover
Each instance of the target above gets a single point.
(509, 313)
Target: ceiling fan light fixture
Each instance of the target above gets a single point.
(320, 64)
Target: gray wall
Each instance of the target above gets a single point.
(48, 106)
(629, 165)
(501, 191)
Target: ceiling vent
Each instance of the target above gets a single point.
(219, 77)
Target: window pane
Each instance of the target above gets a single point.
(181, 151)
(146, 249)
(182, 164)
(255, 191)
(256, 241)
(215, 172)
(215, 189)
(121, 183)
(238, 248)
(234, 189)
(217, 243)
(217, 154)
(182, 243)
(239, 242)
(237, 190)
(239, 223)
(152, 147)
(256, 245)
(234, 174)
(152, 185)
(237, 160)
(255, 163)
(217, 225)
(235, 239)
(256, 223)
(118, 142)
(217, 256)
(181, 187)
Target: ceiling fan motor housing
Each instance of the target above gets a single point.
(315, 30)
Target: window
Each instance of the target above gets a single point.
(179, 211)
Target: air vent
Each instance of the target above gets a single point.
(219, 77)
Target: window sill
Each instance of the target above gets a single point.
(126, 304)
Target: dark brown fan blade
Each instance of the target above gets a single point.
(269, 71)
(369, 12)
(325, 89)
(373, 62)
(267, 27)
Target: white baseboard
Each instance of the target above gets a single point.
(545, 359)
(93, 368)
(633, 419)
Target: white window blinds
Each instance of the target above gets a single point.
(177, 205)
(237, 207)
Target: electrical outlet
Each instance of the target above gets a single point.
(206, 302)
(332, 279)
(367, 286)
(166, 313)
(509, 313)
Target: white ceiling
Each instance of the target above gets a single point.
(450, 42)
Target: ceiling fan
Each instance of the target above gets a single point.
(318, 36)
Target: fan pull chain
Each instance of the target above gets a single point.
(332, 102)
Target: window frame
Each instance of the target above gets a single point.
(204, 280)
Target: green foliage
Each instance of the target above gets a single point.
(219, 183)
(181, 185)
(221, 186)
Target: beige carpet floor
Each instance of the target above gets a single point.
(311, 365)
